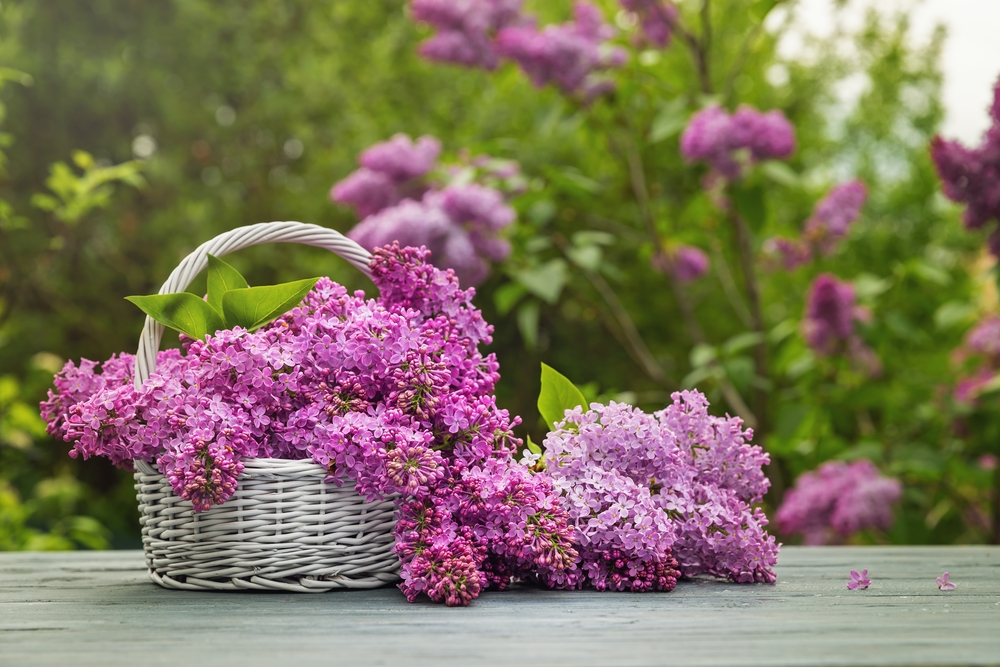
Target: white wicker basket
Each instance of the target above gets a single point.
(284, 528)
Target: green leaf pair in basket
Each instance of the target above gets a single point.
(230, 303)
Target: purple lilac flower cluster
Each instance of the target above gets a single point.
(982, 344)
(478, 33)
(684, 262)
(971, 176)
(459, 221)
(651, 495)
(837, 500)
(657, 19)
(730, 142)
(392, 394)
(826, 227)
(828, 327)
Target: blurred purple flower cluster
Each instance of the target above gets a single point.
(728, 143)
(458, 220)
(972, 175)
(828, 327)
(653, 494)
(684, 262)
(467, 29)
(657, 19)
(837, 500)
(390, 393)
(829, 223)
(478, 33)
(983, 345)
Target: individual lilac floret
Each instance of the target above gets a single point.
(729, 143)
(943, 584)
(466, 29)
(834, 214)
(644, 490)
(837, 500)
(859, 580)
(569, 55)
(657, 19)
(971, 176)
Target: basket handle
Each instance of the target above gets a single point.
(231, 241)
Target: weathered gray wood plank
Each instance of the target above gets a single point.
(99, 609)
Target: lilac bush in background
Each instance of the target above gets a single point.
(837, 500)
(400, 199)
(728, 143)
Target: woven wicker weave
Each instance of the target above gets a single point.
(284, 528)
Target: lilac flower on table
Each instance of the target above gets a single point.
(971, 176)
(943, 583)
(859, 580)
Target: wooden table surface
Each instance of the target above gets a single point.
(98, 608)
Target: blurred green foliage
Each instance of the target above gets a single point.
(192, 117)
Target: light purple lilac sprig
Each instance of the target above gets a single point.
(651, 490)
(399, 199)
(391, 395)
(838, 499)
(828, 327)
(466, 29)
(731, 142)
(657, 20)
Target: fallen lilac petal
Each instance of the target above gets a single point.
(944, 584)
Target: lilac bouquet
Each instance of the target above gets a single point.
(390, 394)
(654, 497)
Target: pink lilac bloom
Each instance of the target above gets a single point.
(837, 500)
(988, 461)
(834, 214)
(730, 142)
(943, 583)
(652, 497)
(466, 29)
(461, 222)
(689, 263)
(657, 19)
(971, 176)
(569, 55)
(789, 254)
(828, 327)
(859, 580)
(982, 343)
(391, 395)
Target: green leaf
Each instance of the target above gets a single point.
(953, 313)
(587, 257)
(221, 279)
(780, 173)
(545, 281)
(673, 118)
(750, 203)
(253, 307)
(527, 323)
(742, 341)
(761, 8)
(533, 448)
(557, 396)
(507, 296)
(703, 354)
(182, 311)
(593, 237)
